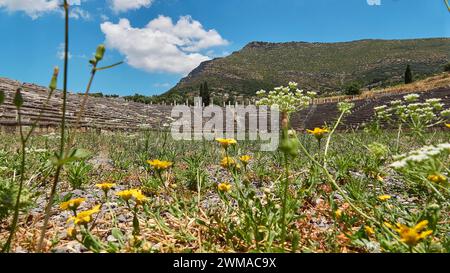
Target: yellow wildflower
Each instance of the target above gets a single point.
(447, 125)
(224, 187)
(85, 217)
(245, 159)
(228, 162)
(71, 232)
(380, 178)
(105, 186)
(126, 194)
(384, 197)
(338, 213)
(133, 193)
(226, 142)
(319, 133)
(437, 178)
(412, 236)
(139, 197)
(369, 230)
(72, 204)
(160, 165)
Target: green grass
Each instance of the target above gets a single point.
(186, 212)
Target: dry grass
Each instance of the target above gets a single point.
(432, 83)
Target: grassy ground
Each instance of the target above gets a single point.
(351, 205)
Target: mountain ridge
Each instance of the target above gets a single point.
(316, 66)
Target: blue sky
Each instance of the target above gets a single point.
(162, 40)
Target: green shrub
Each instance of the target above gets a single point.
(353, 89)
(8, 194)
(78, 174)
(447, 67)
(195, 173)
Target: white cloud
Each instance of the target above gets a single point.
(162, 46)
(33, 8)
(60, 53)
(36, 8)
(104, 17)
(78, 13)
(162, 85)
(125, 5)
(374, 2)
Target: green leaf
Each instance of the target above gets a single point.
(201, 222)
(79, 154)
(118, 235)
(136, 228)
(74, 155)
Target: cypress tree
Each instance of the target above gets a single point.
(202, 91)
(408, 75)
(447, 67)
(206, 96)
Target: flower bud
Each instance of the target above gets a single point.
(289, 144)
(54, 79)
(100, 53)
(434, 207)
(18, 99)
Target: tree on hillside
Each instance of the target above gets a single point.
(201, 93)
(204, 93)
(447, 67)
(352, 89)
(408, 75)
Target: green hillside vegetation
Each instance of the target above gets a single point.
(327, 68)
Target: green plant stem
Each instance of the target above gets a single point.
(327, 173)
(34, 125)
(199, 186)
(327, 145)
(63, 125)
(334, 184)
(344, 195)
(247, 208)
(24, 140)
(398, 138)
(72, 136)
(7, 245)
(284, 201)
(80, 114)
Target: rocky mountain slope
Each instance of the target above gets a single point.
(322, 67)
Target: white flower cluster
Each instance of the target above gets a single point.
(411, 97)
(445, 113)
(409, 110)
(421, 155)
(35, 150)
(287, 99)
(345, 107)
